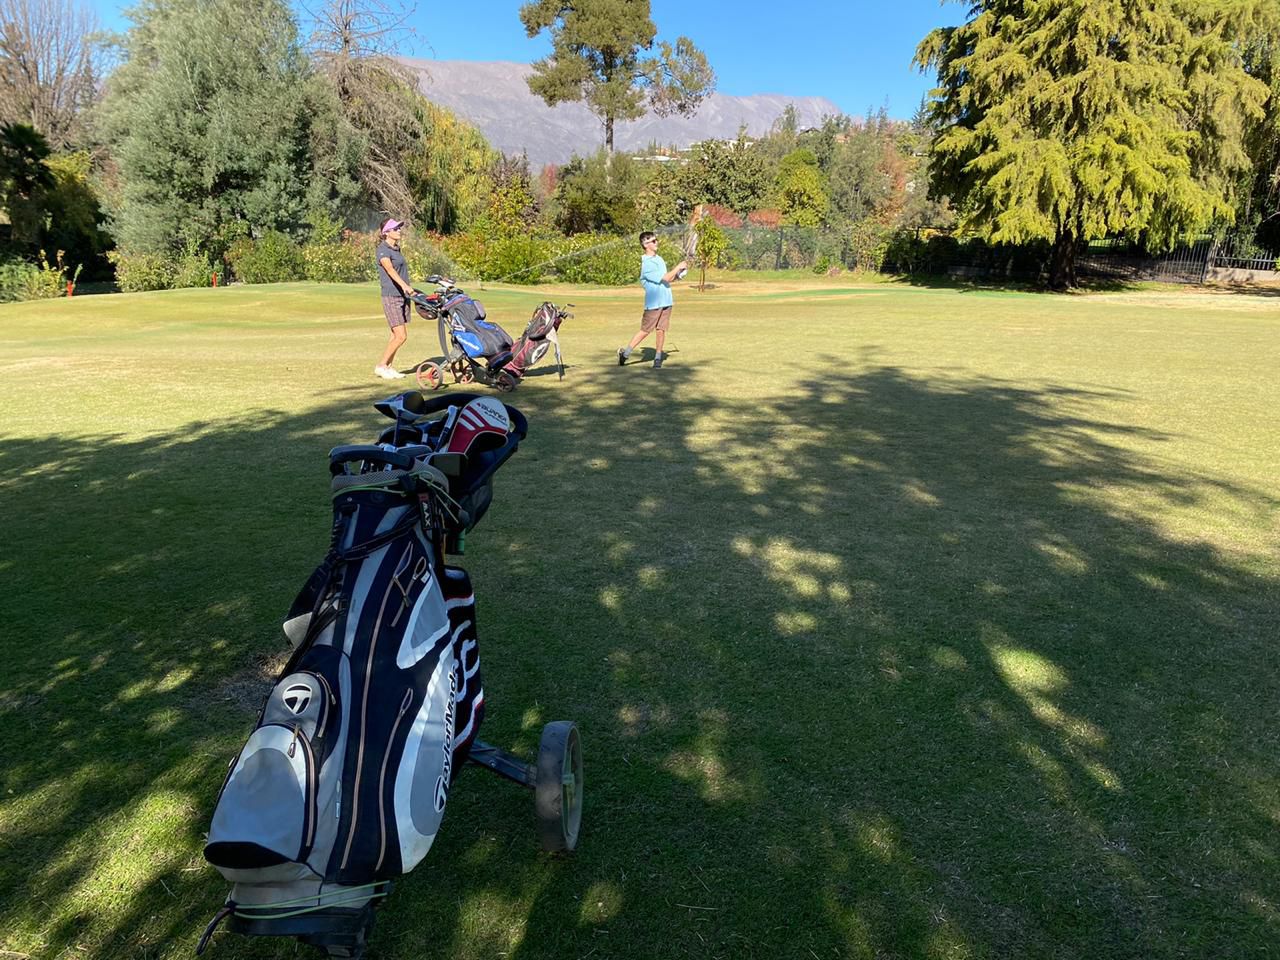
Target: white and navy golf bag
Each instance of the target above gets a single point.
(342, 785)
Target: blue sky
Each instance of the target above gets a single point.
(856, 54)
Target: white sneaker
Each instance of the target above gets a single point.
(386, 373)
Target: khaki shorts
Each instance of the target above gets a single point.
(657, 319)
(396, 310)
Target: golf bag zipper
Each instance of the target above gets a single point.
(364, 702)
(382, 779)
(309, 833)
(330, 701)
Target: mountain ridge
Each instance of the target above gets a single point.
(494, 96)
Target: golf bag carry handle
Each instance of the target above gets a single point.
(368, 453)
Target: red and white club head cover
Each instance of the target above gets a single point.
(483, 423)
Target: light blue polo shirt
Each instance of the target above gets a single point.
(656, 293)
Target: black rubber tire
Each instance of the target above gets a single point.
(557, 792)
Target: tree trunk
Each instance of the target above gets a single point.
(608, 135)
(1062, 260)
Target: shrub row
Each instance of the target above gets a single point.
(23, 280)
(603, 259)
(275, 258)
(938, 253)
(529, 258)
(136, 272)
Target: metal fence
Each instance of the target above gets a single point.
(1121, 260)
(1242, 252)
(1191, 262)
(785, 247)
(939, 252)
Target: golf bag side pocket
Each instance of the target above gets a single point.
(267, 817)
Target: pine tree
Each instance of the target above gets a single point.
(596, 48)
(25, 177)
(1070, 120)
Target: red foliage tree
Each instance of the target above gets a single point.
(723, 216)
(769, 219)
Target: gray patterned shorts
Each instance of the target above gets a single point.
(396, 310)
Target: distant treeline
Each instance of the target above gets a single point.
(224, 139)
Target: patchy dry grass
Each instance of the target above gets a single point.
(899, 622)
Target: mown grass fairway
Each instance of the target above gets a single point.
(898, 622)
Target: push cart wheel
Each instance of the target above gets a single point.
(464, 376)
(557, 792)
(430, 375)
(505, 383)
(347, 953)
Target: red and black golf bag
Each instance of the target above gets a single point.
(541, 334)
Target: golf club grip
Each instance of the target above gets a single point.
(368, 452)
(435, 404)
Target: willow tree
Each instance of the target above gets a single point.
(1071, 120)
(598, 55)
(450, 174)
(351, 46)
(50, 67)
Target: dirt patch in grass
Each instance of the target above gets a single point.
(245, 690)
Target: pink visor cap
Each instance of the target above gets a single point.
(392, 225)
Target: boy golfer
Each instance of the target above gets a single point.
(656, 280)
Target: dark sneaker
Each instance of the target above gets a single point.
(622, 355)
(657, 361)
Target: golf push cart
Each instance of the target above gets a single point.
(477, 350)
(341, 787)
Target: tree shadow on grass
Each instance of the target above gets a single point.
(143, 587)
(890, 667)
(1269, 289)
(1087, 285)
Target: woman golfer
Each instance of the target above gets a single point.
(393, 274)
